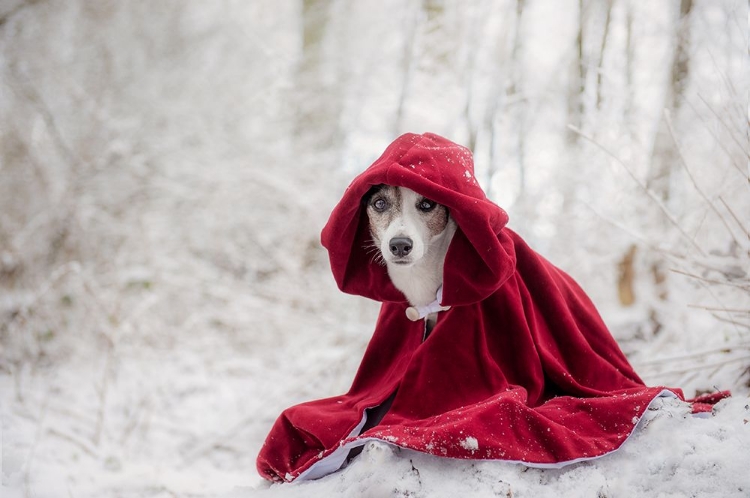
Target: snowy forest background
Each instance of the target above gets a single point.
(166, 167)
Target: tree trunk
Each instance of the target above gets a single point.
(664, 156)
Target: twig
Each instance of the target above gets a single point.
(736, 219)
(733, 322)
(700, 367)
(644, 187)
(668, 120)
(720, 143)
(687, 356)
(729, 130)
(77, 442)
(630, 232)
(740, 113)
(711, 308)
(705, 284)
(709, 280)
(707, 266)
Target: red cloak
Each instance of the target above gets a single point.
(520, 368)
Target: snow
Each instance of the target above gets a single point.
(675, 455)
(163, 182)
(470, 443)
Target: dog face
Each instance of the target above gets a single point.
(403, 224)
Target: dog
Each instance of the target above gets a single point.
(410, 236)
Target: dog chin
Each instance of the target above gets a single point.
(403, 263)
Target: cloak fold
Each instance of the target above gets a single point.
(520, 368)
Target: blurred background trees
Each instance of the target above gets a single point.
(165, 169)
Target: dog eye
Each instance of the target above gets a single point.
(426, 205)
(379, 205)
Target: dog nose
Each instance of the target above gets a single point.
(400, 246)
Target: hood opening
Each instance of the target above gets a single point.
(480, 257)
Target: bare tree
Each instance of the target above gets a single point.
(602, 49)
(318, 102)
(664, 156)
(577, 81)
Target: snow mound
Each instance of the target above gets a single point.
(673, 454)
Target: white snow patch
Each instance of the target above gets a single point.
(470, 443)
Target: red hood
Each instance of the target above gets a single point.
(481, 256)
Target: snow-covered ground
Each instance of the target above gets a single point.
(675, 455)
(165, 172)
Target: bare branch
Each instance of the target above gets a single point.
(726, 127)
(668, 120)
(720, 143)
(713, 308)
(736, 219)
(703, 366)
(82, 445)
(710, 280)
(729, 320)
(602, 49)
(648, 191)
(692, 355)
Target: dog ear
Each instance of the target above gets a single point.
(373, 190)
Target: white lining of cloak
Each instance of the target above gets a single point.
(335, 460)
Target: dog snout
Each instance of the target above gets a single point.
(401, 246)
